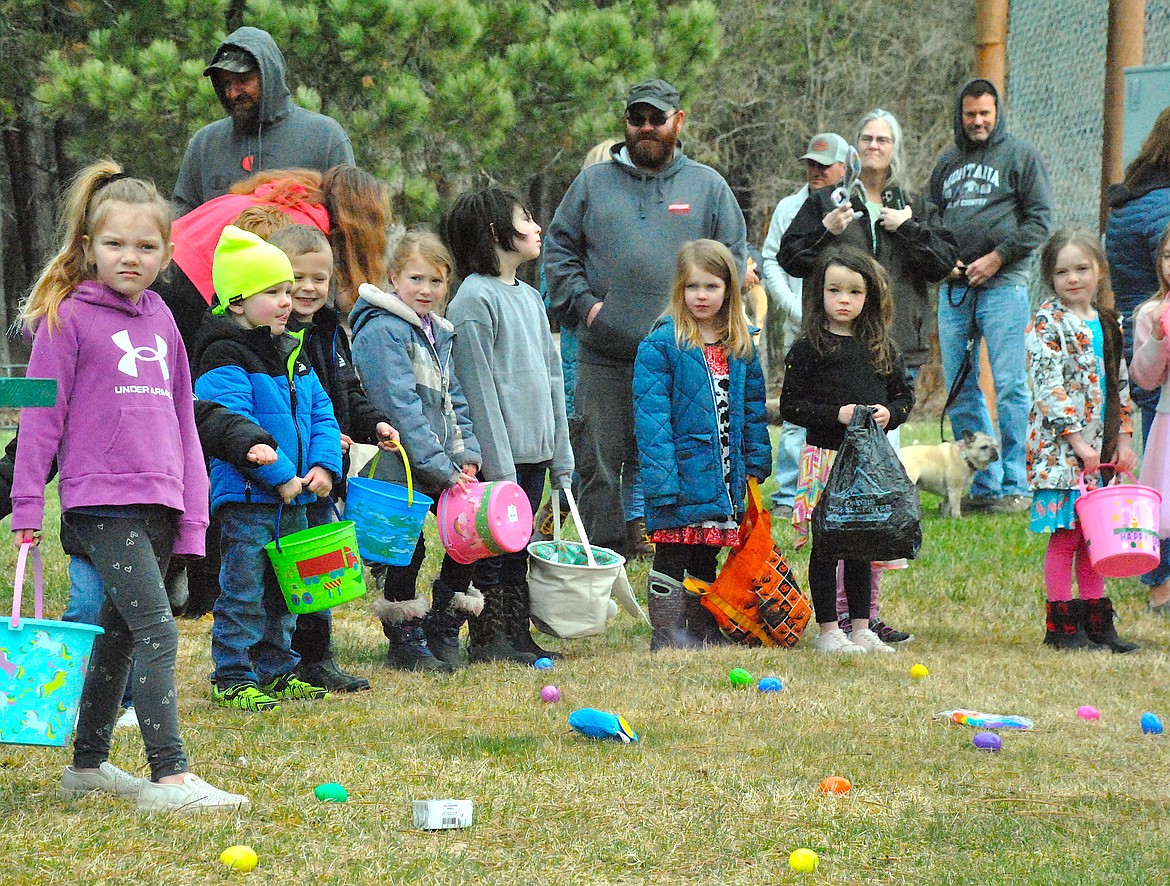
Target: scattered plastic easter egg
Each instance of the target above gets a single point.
(740, 678)
(331, 792)
(550, 694)
(769, 684)
(987, 741)
(1151, 725)
(835, 784)
(239, 858)
(543, 664)
(593, 723)
(803, 861)
(1088, 712)
(919, 671)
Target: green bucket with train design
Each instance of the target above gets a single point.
(319, 567)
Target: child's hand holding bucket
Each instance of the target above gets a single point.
(388, 438)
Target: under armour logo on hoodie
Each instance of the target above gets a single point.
(128, 365)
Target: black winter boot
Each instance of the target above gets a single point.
(516, 602)
(1099, 626)
(668, 614)
(488, 633)
(402, 622)
(449, 610)
(701, 624)
(1066, 628)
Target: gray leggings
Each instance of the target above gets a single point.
(131, 555)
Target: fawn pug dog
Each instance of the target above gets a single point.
(948, 468)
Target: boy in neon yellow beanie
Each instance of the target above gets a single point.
(247, 362)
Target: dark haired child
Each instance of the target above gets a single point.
(845, 357)
(510, 372)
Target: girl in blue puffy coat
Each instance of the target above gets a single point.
(699, 420)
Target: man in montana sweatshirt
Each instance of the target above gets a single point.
(992, 191)
(609, 261)
(263, 129)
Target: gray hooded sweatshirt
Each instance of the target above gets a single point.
(993, 195)
(287, 136)
(615, 238)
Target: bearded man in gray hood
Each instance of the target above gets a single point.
(263, 129)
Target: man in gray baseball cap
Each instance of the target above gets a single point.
(609, 259)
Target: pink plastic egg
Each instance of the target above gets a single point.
(1088, 712)
(550, 694)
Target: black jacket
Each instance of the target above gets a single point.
(327, 348)
(920, 252)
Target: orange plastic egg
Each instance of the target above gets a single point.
(835, 784)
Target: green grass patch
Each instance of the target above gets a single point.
(723, 784)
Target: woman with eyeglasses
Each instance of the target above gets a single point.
(903, 232)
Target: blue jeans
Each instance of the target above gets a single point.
(633, 500)
(1147, 401)
(251, 637)
(786, 470)
(1001, 315)
(86, 593)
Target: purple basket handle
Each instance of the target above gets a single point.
(1116, 473)
(18, 583)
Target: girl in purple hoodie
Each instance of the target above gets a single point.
(132, 481)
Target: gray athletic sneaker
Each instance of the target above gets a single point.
(109, 779)
(192, 795)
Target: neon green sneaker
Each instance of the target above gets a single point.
(292, 687)
(246, 697)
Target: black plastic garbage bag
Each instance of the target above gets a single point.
(869, 509)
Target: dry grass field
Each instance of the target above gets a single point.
(723, 784)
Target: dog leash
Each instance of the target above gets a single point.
(968, 356)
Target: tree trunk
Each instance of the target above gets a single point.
(31, 152)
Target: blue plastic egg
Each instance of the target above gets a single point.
(1151, 725)
(543, 664)
(770, 684)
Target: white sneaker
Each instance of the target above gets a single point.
(871, 642)
(836, 640)
(190, 796)
(109, 779)
(128, 720)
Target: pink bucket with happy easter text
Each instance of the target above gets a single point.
(1120, 523)
(485, 520)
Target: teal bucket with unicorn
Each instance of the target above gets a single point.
(43, 663)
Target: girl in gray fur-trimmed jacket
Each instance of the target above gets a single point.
(402, 351)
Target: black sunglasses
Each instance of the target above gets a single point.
(657, 118)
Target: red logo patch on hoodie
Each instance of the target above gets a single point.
(679, 209)
(248, 162)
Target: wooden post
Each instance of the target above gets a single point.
(1123, 49)
(991, 25)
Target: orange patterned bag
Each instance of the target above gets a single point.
(755, 599)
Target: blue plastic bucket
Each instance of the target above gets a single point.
(44, 664)
(389, 518)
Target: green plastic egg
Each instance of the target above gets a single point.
(331, 792)
(740, 678)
